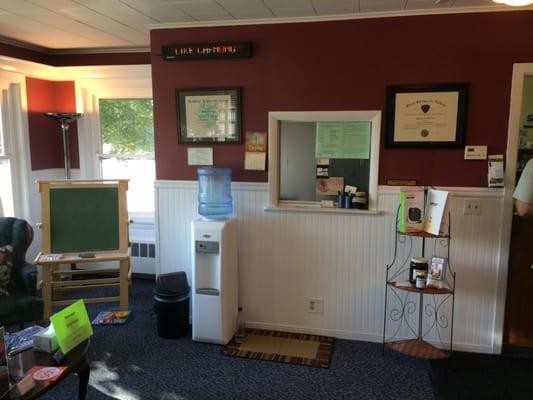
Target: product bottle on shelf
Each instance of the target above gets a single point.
(241, 327)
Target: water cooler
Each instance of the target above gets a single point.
(214, 259)
(214, 276)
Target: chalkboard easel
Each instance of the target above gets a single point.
(80, 218)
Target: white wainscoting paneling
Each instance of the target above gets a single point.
(285, 257)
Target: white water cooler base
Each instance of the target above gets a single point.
(214, 281)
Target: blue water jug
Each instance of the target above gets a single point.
(214, 192)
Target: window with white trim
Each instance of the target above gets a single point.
(127, 149)
(298, 170)
(6, 188)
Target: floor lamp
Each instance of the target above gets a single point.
(64, 119)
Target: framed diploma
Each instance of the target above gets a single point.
(209, 115)
(426, 116)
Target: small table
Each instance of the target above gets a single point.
(76, 363)
(52, 278)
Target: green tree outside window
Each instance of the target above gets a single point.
(127, 125)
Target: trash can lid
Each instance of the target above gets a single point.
(171, 285)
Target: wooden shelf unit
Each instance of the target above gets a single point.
(53, 285)
(412, 288)
(417, 348)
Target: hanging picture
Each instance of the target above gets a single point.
(209, 115)
(426, 116)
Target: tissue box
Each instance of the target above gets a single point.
(46, 341)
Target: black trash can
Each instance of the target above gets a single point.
(171, 296)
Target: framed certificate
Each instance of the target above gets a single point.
(426, 116)
(209, 115)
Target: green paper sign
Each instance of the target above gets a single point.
(343, 140)
(72, 326)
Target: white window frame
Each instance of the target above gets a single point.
(16, 140)
(274, 122)
(119, 82)
(139, 217)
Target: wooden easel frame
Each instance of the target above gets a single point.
(44, 190)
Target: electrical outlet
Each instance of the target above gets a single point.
(315, 305)
(472, 207)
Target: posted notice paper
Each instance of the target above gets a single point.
(199, 156)
(254, 161)
(343, 140)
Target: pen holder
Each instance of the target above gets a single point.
(347, 201)
(340, 204)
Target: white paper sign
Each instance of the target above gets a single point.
(254, 161)
(200, 156)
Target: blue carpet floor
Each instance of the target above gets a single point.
(131, 362)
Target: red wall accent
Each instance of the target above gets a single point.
(46, 138)
(347, 65)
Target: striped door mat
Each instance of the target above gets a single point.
(292, 348)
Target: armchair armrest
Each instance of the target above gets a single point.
(28, 278)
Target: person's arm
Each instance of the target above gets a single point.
(524, 209)
(523, 193)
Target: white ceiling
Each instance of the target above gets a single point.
(91, 24)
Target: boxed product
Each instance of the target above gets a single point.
(46, 340)
(436, 212)
(411, 209)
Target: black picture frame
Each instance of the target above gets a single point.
(426, 116)
(209, 116)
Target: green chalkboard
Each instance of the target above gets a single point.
(84, 219)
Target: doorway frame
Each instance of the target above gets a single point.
(520, 70)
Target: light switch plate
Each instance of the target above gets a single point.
(475, 152)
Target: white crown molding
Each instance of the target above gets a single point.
(49, 72)
(338, 17)
(24, 45)
(98, 50)
(47, 51)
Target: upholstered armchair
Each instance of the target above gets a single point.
(21, 305)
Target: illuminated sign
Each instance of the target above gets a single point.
(206, 51)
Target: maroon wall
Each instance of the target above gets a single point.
(346, 65)
(46, 138)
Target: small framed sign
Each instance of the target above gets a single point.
(209, 115)
(426, 116)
